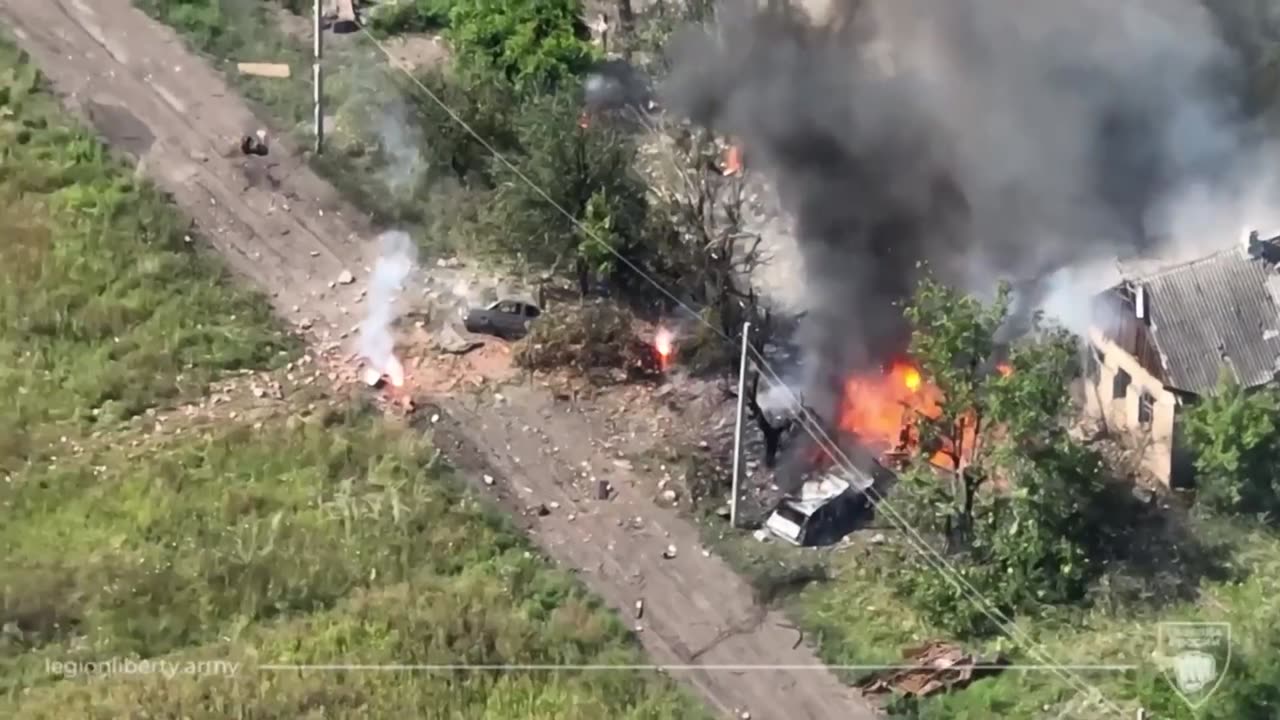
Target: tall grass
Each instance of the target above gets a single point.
(105, 307)
(317, 542)
(337, 539)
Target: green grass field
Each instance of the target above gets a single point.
(856, 618)
(300, 531)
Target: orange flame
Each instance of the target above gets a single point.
(664, 344)
(1004, 368)
(881, 409)
(732, 160)
(877, 408)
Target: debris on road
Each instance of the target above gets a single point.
(939, 666)
(260, 69)
(346, 278)
(255, 144)
(602, 489)
(640, 608)
(670, 552)
(449, 341)
(488, 479)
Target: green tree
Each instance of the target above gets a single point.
(1010, 496)
(535, 44)
(588, 177)
(1234, 436)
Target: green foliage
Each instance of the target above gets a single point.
(535, 44)
(563, 173)
(596, 237)
(106, 309)
(410, 16)
(1017, 511)
(593, 336)
(1236, 442)
(291, 543)
(285, 537)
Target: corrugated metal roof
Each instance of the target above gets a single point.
(1215, 312)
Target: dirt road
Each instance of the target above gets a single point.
(287, 231)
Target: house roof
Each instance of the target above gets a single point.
(1221, 310)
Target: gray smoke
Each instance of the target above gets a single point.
(989, 139)
(401, 144)
(396, 258)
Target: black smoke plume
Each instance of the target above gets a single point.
(989, 139)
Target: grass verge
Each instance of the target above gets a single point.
(254, 538)
(105, 308)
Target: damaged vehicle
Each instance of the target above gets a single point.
(821, 513)
(509, 319)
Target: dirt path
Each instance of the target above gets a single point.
(286, 230)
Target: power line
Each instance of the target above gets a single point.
(810, 424)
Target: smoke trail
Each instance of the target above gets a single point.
(987, 139)
(395, 261)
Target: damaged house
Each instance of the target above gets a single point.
(1161, 340)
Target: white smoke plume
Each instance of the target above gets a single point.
(396, 260)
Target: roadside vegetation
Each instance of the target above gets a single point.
(1037, 521)
(105, 309)
(143, 522)
(1071, 567)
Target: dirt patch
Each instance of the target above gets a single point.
(544, 453)
(416, 52)
(120, 128)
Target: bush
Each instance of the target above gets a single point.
(1236, 441)
(589, 337)
(536, 44)
(410, 16)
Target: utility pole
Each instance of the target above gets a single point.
(317, 81)
(737, 432)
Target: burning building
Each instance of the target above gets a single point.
(919, 133)
(1160, 340)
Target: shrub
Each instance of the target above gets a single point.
(589, 337)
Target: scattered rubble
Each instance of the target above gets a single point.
(346, 278)
(939, 666)
(670, 552)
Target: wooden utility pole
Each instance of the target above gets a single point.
(737, 433)
(317, 80)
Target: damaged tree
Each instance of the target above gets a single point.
(772, 432)
(710, 254)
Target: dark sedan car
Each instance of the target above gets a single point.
(507, 319)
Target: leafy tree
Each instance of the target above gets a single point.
(1236, 441)
(587, 175)
(1012, 497)
(535, 44)
(483, 102)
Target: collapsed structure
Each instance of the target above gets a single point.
(1161, 340)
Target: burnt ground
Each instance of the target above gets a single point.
(288, 232)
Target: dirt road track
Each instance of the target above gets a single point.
(289, 232)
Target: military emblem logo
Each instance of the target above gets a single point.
(1194, 658)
